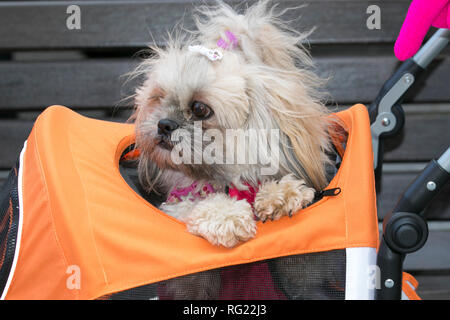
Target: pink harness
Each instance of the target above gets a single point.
(193, 192)
(239, 282)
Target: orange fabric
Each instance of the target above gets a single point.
(407, 282)
(339, 137)
(79, 211)
(132, 155)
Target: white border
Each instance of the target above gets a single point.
(359, 264)
(404, 295)
(19, 230)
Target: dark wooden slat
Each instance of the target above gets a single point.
(434, 254)
(12, 137)
(359, 79)
(97, 83)
(3, 176)
(433, 285)
(394, 184)
(84, 84)
(13, 132)
(42, 24)
(426, 134)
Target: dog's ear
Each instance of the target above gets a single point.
(259, 34)
(280, 84)
(288, 102)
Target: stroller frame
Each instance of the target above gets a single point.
(405, 228)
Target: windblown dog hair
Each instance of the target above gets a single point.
(264, 82)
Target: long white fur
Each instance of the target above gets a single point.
(264, 83)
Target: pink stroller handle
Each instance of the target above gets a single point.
(421, 15)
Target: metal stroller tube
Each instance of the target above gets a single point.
(386, 113)
(444, 160)
(432, 47)
(405, 229)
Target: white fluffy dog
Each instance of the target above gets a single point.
(236, 72)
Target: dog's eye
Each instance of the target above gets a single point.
(201, 110)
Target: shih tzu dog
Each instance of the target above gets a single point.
(247, 74)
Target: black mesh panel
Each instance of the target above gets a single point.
(9, 221)
(309, 276)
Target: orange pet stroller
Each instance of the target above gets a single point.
(75, 229)
(74, 223)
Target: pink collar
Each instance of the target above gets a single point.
(196, 192)
(192, 192)
(248, 195)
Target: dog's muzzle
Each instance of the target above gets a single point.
(165, 129)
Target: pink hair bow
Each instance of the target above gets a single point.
(230, 44)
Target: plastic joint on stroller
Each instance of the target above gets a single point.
(404, 229)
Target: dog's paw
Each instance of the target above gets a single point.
(286, 197)
(222, 220)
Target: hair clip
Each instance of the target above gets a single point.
(211, 54)
(233, 41)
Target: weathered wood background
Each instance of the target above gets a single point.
(43, 63)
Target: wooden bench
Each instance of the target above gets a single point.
(42, 63)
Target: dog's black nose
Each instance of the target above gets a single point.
(166, 126)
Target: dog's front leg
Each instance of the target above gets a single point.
(286, 197)
(221, 220)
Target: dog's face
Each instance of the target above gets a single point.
(189, 104)
(185, 95)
